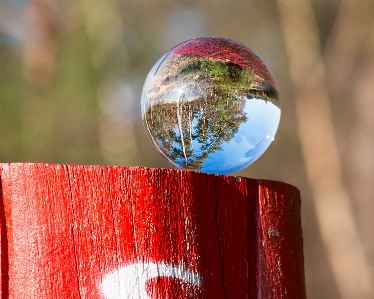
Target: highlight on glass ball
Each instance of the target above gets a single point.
(210, 105)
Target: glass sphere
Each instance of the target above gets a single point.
(211, 105)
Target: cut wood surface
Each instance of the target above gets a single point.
(110, 232)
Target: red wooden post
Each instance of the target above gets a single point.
(70, 231)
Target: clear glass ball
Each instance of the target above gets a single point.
(211, 105)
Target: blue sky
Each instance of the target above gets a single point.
(250, 142)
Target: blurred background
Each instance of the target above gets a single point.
(71, 74)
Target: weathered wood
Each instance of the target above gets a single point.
(71, 231)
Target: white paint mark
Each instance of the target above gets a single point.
(130, 282)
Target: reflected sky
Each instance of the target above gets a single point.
(250, 142)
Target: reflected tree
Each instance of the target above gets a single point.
(188, 131)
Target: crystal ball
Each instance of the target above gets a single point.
(210, 105)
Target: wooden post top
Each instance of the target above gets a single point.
(111, 232)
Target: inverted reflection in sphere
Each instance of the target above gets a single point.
(211, 105)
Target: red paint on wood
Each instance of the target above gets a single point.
(279, 240)
(79, 231)
(3, 249)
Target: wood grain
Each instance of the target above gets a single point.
(73, 231)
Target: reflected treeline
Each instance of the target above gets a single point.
(192, 72)
(229, 76)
